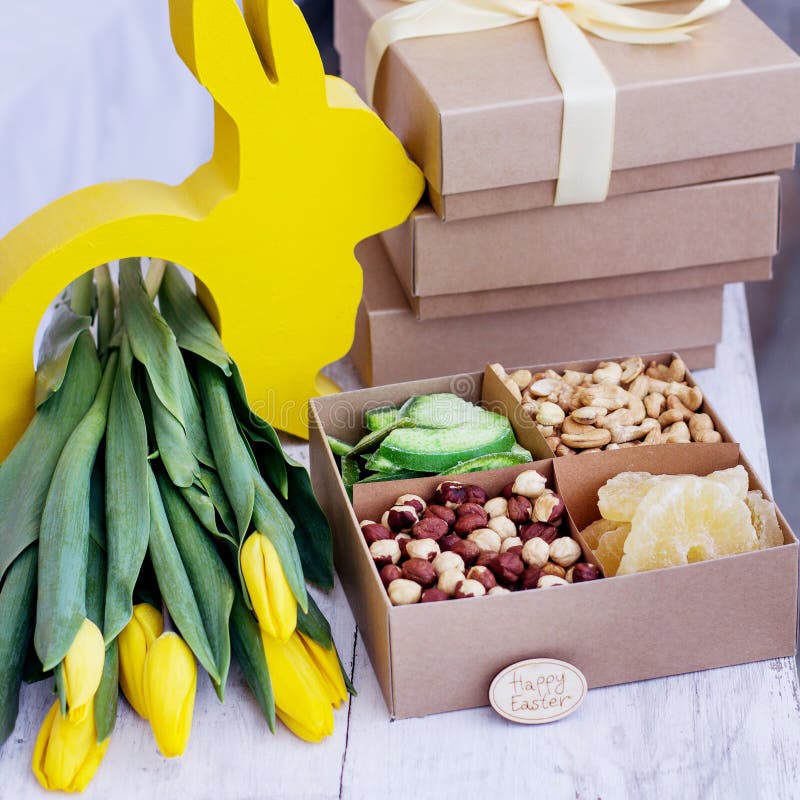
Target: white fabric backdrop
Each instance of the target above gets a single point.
(92, 90)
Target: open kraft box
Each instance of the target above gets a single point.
(617, 630)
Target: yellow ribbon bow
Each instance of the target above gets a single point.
(587, 137)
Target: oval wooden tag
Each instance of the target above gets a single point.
(537, 690)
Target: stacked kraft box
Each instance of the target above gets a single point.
(487, 268)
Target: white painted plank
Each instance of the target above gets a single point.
(723, 733)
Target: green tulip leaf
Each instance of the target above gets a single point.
(174, 583)
(249, 652)
(210, 580)
(17, 598)
(105, 699)
(127, 508)
(65, 532)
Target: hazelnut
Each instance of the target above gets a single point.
(448, 581)
(565, 551)
(470, 508)
(485, 557)
(389, 573)
(385, 551)
(403, 592)
(507, 567)
(496, 507)
(443, 512)
(402, 539)
(507, 491)
(502, 526)
(539, 530)
(374, 532)
(519, 509)
(434, 596)
(475, 494)
(553, 569)
(422, 548)
(401, 518)
(449, 560)
(546, 581)
(420, 571)
(530, 483)
(498, 590)
(411, 500)
(469, 589)
(430, 528)
(447, 541)
(451, 493)
(486, 539)
(512, 541)
(585, 572)
(483, 576)
(535, 552)
(470, 522)
(530, 578)
(548, 508)
(467, 550)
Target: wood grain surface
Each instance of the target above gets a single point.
(726, 733)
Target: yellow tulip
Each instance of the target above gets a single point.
(170, 682)
(135, 639)
(66, 754)
(82, 668)
(327, 664)
(302, 699)
(273, 602)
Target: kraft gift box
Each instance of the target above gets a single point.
(661, 231)
(391, 344)
(481, 113)
(627, 628)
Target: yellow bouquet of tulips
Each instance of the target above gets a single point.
(149, 520)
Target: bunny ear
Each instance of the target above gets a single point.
(286, 47)
(212, 39)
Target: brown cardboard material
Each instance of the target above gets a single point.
(469, 205)
(548, 294)
(496, 396)
(482, 111)
(392, 345)
(658, 231)
(616, 630)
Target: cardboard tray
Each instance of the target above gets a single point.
(481, 112)
(662, 231)
(391, 345)
(442, 656)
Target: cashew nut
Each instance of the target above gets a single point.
(522, 377)
(632, 368)
(640, 387)
(590, 437)
(513, 388)
(563, 450)
(700, 424)
(544, 387)
(637, 409)
(607, 372)
(550, 414)
(606, 395)
(553, 442)
(677, 433)
(622, 416)
(588, 415)
(690, 396)
(654, 404)
(630, 433)
(574, 378)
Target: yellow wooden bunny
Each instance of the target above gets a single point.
(302, 171)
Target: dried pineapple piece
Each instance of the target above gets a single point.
(765, 520)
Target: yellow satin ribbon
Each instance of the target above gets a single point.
(587, 136)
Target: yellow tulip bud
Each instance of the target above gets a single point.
(145, 626)
(66, 754)
(273, 602)
(301, 697)
(82, 668)
(327, 664)
(170, 682)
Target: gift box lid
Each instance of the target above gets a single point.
(482, 110)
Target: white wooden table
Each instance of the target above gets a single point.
(727, 733)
